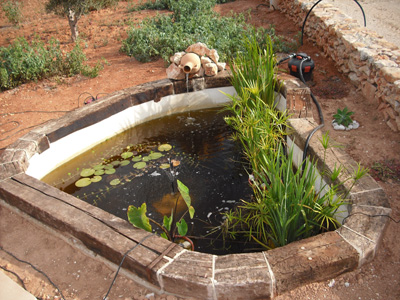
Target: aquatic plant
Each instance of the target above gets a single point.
(170, 227)
(286, 205)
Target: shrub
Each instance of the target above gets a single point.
(12, 10)
(192, 21)
(22, 62)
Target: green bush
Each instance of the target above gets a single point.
(192, 21)
(12, 10)
(22, 62)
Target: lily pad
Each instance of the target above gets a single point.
(115, 181)
(164, 147)
(110, 171)
(137, 158)
(146, 158)
(96, 178)
(125, 163)
(109, 166)
(83, 182)
(155, 155)
(98, 167)
(126, 155)
(116, 163)
(139, 165)
(87, 172)
(99, 172)
(164, 166)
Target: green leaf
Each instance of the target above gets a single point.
(164, 235)
(115, 181)
(164, 147)
(139, 165)
(126, 155)
(137, 217)
(191, 212)
(167, 221)
(83, 182)
(87, 172)
(184, 190)
(182, 227)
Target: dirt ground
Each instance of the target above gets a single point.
(82, 275)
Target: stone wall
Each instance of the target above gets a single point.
(371, 63)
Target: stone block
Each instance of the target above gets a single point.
(189, 275)
(311, 260)
(243, 276)
(374, 197)
(364, 229)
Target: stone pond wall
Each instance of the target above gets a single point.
(371, 63)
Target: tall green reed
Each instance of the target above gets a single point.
(286, 206)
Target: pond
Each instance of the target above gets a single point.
(142, 164)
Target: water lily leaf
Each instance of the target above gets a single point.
(164, 147)
(164, 166)
(137, 217)
(110, 171)
(139, 165)
(87, 172)
(125, 163)
(96, 178)
(146, 158)
(137, 158)
(98, 167)
(115, 181)
(182, 227)
(155, 155)
(83, 182)
(109, 166)
(99, 172)
(126, 155)
(116, 163)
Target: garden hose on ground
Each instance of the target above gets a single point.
(304, 22)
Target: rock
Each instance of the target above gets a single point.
(210, 69)
(205, 60)
(199, 48)
(174, 72)
(221, 66)
(176, 58)
(213, 54)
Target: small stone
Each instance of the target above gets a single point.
(174, 72)
(211, 69)
(221, 66)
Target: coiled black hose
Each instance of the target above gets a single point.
(304, 22)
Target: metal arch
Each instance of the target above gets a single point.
(304, 23)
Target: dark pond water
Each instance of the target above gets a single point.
(205, 159)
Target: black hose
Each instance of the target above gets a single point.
(321, 116)
(304, 23)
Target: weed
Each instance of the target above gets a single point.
(12, 10)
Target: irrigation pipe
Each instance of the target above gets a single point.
(308, 13)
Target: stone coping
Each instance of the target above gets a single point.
(167, 266)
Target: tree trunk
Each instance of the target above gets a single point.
(73, 19)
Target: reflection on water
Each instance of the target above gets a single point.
(203, 157)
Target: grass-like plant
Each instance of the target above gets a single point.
(21, 62)
(286, 205)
